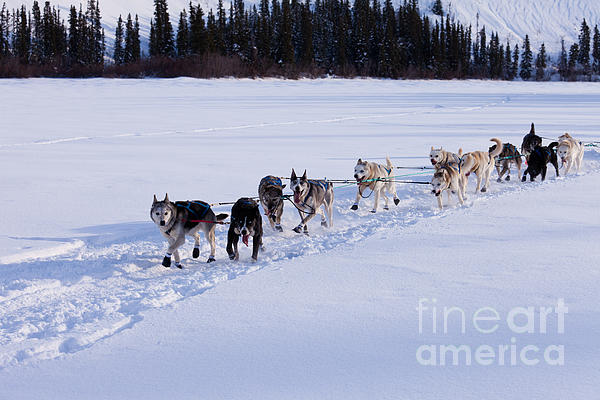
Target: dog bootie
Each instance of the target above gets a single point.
(278, 228)
(178, 265)
(167, 261)
(354, 207)
(298, 229)
(211, 259)
(196, 252)
(396, 201)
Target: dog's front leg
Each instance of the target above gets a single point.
(356, 200)
(174, 244)
(298, 229)
(376, 201)
(232, 242)
(544, 170)
(256, 243)
(439, 200)
(556, 168)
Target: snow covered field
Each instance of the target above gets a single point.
(86, 310)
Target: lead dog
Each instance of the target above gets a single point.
(245, 222)
(376, 177)
(270, 193)
(510, 155)
(481, 163)
(570, 151)
(176, 220)
(538, 160)
(530, 142)
(447, 178)
(309, 196)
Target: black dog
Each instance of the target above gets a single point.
(245, 222)
(538, 160)
(530, 142)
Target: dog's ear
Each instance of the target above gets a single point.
(432, 148)
(304, 176)
(155, 200)
(359, 161)
(283, 186)
(166, 200)
(532, 131)
(294, 177)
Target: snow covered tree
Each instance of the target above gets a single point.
(526, 60)
(540, 64)
(119, 51)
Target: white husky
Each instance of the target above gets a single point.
(570, 151)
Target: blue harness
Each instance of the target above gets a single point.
(271, 180)
(188, 206)
(323, 184)
(389, 170)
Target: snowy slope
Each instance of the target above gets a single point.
(84, 301)
(545, 21)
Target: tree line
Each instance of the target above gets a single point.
(291, 38)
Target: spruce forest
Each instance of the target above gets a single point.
(274, 38)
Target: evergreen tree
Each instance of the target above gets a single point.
(161, 31)
(573, 57)
(307, 53)
(286, 52)
(506, 67)
(22, 36)
(584, 47)
(514, 69)
(596, 51)
(526, 60)
(563, 61)
(37, 34)
(75, 37)
(183, 34)
(119, 51)
(540, 64)
(198, 35)
(437, 8)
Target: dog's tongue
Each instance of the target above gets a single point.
(296, 197)
(245, 239)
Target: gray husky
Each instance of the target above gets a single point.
(270, 193)
(309, 196)
(176, 220)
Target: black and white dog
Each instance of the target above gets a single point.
(309, 196)
(245, 222)
(530, 142)
(270, 193)
(538, 160)
(176, 220)
(509, 155)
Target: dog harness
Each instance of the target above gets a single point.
(271, 181)
(323, 184)
(389, 170)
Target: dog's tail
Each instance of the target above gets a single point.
(499, 147)
(221, 217)
(552, 145)
(460, 152)
(389, 164)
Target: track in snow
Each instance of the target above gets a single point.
(66, 303)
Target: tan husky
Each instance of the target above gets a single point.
(481, 163)
(447, 178)
(570, 151)
(439, 157)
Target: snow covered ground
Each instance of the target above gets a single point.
(86, 310)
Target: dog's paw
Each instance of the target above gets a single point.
(483, 190)
(254, 259)
(324, 224)
(232, 256)
(373, 211)
(166, 262)
(524, 179)
(507, 178)
(196, 252)
(396, 201)
(354, 207)
(499, 180)
(386, 208)
(278, 228)
(298, 229)
(179, 265)
(210, 259)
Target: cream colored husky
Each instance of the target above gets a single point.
(481, 163)
(378, 178)
(570, 151)
(447, 178)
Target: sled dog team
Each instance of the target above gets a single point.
(310, 197)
